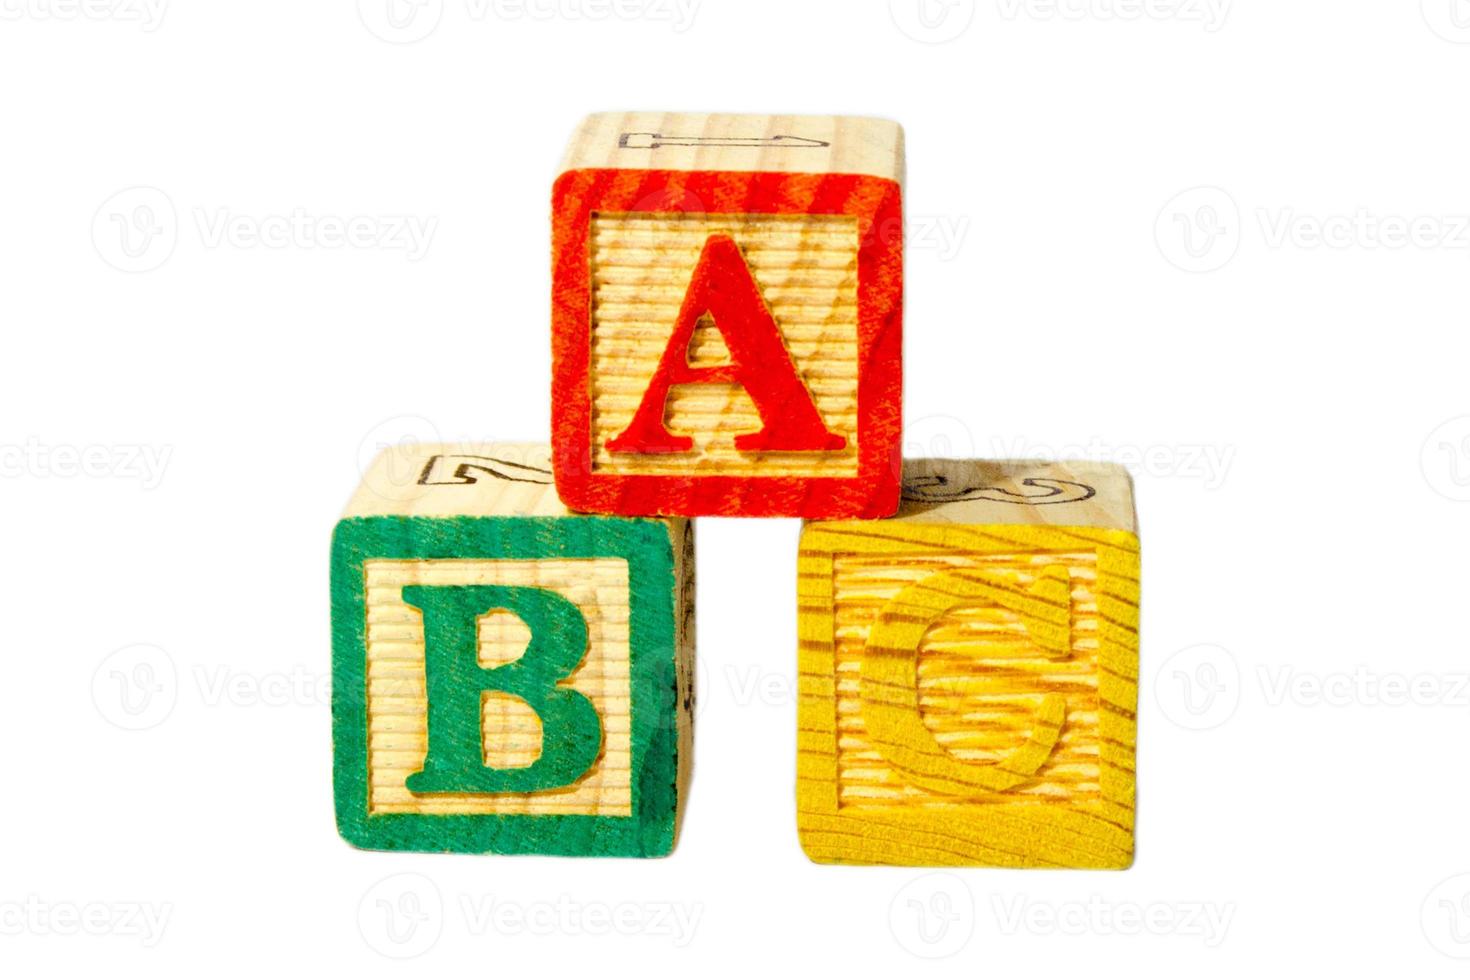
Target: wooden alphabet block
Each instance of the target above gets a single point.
(727, 314)
(507, 676)
(969, 671)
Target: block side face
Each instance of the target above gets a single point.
(977, 706)
(350, 540)
(465, 479)
(614, 323)
(817, 735)
(1021, 492)
(618, 577)
(738, 143)
(657, 719)
(682, 531)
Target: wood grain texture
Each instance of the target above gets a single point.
(1072, 493)
(968, 692)
(511, 735)
(737, 143)
(485, 516)
(471, 479)
(641, 267)
(822, 242)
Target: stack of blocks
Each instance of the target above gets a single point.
(513, 624)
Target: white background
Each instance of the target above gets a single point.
(1225, 243)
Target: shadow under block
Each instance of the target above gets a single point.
(727, 308)
(507, 676)
(969, 672)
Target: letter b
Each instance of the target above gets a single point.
(570, 726)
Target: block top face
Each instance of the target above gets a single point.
(738, 143)
(490, 479)
(1075, 493)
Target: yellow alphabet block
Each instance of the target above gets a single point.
(969, 671)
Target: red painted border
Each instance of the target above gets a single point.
(877, 205)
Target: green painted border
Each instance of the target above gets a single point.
(648, 548)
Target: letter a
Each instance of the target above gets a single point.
(723, 288)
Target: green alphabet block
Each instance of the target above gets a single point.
(507, 677)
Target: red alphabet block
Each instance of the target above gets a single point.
(727, 316)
